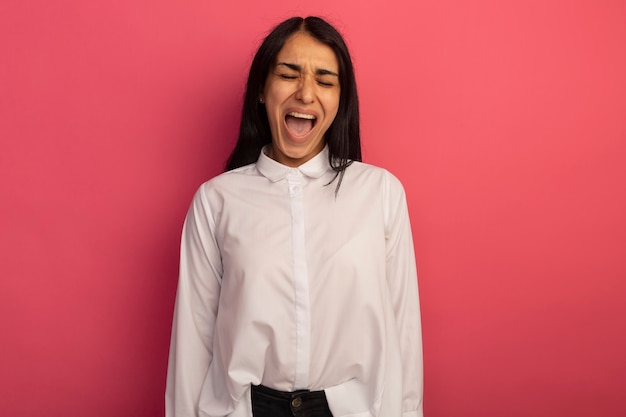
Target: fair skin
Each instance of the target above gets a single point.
(301, 97)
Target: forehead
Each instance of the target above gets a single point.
(304, 50)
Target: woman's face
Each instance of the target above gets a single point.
(301, 97)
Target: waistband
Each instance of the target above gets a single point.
(297, 403)
(304, 394)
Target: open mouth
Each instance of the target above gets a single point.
(300, 124)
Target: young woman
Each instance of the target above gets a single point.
(298, 289)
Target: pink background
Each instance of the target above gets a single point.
(505, 120)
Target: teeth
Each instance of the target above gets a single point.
(302, 115)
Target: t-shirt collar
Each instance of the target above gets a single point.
(275, 171)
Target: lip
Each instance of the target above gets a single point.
(300, 110)
(290, 133)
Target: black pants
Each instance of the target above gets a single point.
(267, 402)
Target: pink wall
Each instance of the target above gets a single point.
(506, 121)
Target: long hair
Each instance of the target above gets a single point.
(343, 135)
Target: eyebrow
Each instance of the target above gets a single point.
(298, 68)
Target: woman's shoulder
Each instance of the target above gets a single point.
(369, 172)
(230, 178)
(225, 183)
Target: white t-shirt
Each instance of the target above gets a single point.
(285, 284)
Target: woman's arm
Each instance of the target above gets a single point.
(402, 279)
(191, 349)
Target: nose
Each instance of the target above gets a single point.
(306, 90)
